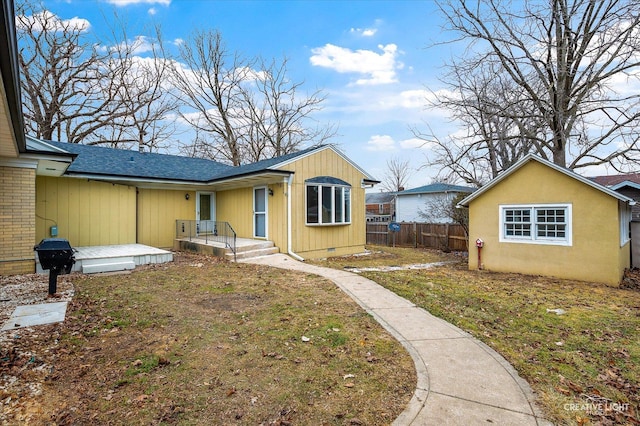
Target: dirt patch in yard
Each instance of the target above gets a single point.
(205, 341)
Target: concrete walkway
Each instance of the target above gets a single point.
(461, 381)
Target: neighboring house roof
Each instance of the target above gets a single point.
(619, 181)
(436, 188)
(10, 73)
(504, 175)
(379, 197)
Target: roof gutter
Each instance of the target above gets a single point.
(289, 226)
(10, 72)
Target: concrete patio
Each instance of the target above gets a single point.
(111, 258)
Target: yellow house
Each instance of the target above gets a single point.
(541, 219)
(309, 204)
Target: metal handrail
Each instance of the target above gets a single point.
(209, 230)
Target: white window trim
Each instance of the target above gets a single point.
(625, 223)
(266, 211)
(333, 207)
(567, 241)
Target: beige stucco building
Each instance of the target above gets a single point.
(541, 219)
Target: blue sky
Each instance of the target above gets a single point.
(374, 60)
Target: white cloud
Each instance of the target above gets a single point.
(128, 2)
(415, 143)
(366, 32)
(152, 11)
(141, 44)
(46, 20)
(381, 143)
(379, 68)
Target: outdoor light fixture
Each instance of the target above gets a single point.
(186, 196)
(271, 192)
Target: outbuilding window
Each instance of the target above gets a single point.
(537, 224)
(328, 201)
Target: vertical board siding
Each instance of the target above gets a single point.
(87, 213)
(277, 215)
(158, 211)
(236, 207)
(316, 241)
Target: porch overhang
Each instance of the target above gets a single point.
(245, 181)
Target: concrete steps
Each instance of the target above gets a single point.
(254, 250)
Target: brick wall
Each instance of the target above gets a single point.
(17, 219)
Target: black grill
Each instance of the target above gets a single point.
(56, 255)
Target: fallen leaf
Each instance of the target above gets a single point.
(574, 387)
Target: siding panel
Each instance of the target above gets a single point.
(86, 212)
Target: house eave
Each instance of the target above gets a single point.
(10, 74)
(245, 181)
(367, 176)
(626, 183)
(531, 157)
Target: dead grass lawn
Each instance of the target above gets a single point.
(204, 341)
(584, 365)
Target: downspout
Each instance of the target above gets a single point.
(289, 249)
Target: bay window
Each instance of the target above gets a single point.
(328, 201)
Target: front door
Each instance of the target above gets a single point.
(260, 212)
(206, 212)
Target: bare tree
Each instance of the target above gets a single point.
(146, 94)
(498, 121)
(277, 115)
(208, 78)
(58, 67)
(447, 207)
(568, 62)
(243, 110)
(398, 173)
(80, 91)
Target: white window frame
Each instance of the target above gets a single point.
(345, 212)
(533, 238)
(625, 223)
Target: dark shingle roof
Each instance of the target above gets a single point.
(127, 163)
(612, 180)
(104, 161)
(263, 165)
(437, 187)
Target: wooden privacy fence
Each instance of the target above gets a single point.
(433, 235)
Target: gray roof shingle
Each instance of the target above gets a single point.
(437, 187)
(104, 161)
(133, 164)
